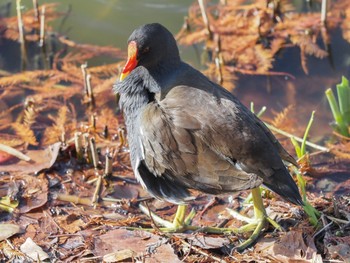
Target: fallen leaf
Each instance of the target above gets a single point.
(119, 256)
(141, 242)
(35, 194)
(41, 159)
(342, 250)
(205, 242)
(124, 192)
(290, 248)
(8, 230)
(33, 251)
(71, 223)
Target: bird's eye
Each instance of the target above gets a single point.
(145, 50)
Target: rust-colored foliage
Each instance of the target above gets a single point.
(31, 24)
(251, 34)
(56, 100)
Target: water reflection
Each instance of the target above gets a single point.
(110, 22)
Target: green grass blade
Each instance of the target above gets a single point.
(303, 144)
(261, 112)
(252, 107)
(296, 147)
(336, 113)
(343, 91)
(312, 213)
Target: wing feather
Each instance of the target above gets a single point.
(174, 147)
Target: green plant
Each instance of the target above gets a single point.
(301, 153)
(340, 109)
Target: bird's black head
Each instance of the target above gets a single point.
(150, 46)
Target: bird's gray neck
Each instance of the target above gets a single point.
(136, 91)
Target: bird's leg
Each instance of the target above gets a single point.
(180, 222)
(179, 219)
(257, 223)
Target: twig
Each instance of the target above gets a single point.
(14, 152)
(36, 10)
(78, 145)
(233, 69)
(87, 147)
(150, 216)
(42, 27)
(121, 133)
(53, 221)
(338, 220)
(93, 121)
(105, 132)
(96, 195)
(81, 200)
(200, 251)
(154, 217)
(322, 229)
(73, 199)
(112, 200)
(64, 235)
(324, 12)
(205, 17)
(211, 203)
(218, 58)
(83, 69)
(42, 37)
(90, 93)
(21, 35)
(310, 144)
(108, 165)
(63, 137)
(94, 153)
(91, 259)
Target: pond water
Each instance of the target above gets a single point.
(110, 22)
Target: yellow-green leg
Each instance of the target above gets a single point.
(181, 223)
(257, 223)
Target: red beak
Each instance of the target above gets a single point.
(132, 60)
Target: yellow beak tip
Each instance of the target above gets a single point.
(123, 76)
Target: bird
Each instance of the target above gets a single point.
(187, 133)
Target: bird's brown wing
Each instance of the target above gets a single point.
(232, 132)
(174, 146)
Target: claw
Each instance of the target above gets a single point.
(181, 223)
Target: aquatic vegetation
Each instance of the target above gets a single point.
(341, 108)
(304, 161)
(245, 37)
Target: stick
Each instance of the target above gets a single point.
(22, 41)
(310, 144)
(14, 152)
(324, 12)
(205, 17)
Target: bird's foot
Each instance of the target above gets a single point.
(181, 222)
(255, 225)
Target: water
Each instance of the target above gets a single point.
(110, 22)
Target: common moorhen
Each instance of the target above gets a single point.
(186, 132)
